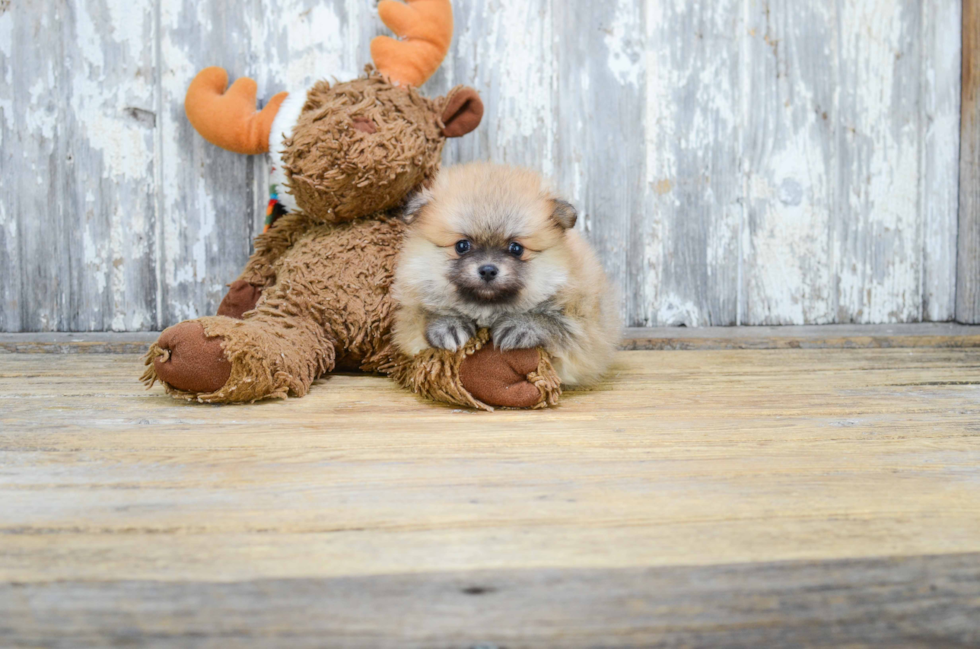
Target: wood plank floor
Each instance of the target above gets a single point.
(699, 498)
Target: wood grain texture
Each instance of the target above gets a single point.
(790, 157)
(649, 510)
(77, 165)
(901, 336)
(968, 261)
(599, 56)
(939, 159)
(518, 126)
(900, 602)
(693, 125)
(207, 198)
(77, 343)
(851, 200)
(735, 162)
(876, 229)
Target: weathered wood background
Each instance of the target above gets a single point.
(968, 269)
(736, 161)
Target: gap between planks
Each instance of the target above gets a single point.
(938, 335)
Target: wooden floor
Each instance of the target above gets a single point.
(698, 498)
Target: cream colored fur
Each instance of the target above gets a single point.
(561, 273)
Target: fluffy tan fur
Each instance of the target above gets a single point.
(560, 279)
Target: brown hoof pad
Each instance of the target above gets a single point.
(194, 362)
(241, 297)
(500, 378)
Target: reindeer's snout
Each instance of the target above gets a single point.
(365, 125)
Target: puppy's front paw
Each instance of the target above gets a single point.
(518, 332)
(449, 333)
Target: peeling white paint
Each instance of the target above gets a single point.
(7, 38)
(625, 54)
(127, 150)
(309, 55)
(878, 263)
(518, 87)
(8, 224)
(787, 265)
(188, 206)
(692, 167)
(798, 161)
(94, 248)
(41, 118)
(127, 24)
(88, 37)
(675, 311)
(661, 162)
(111, 101)
(939, 190)
(790, 276)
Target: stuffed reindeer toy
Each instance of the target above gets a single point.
(315, 295)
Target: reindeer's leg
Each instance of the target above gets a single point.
(244, 293)
(240, 299)
(330, 298)
(270, 349)
(480, 376)
(222, 360)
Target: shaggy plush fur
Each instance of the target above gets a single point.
(316, 294)
(477, 374)
(330, 299)
(337, 171)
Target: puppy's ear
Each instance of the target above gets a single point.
(414, 204)
(565, 214)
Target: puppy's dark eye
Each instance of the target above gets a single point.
(516, 249)
(463, 247)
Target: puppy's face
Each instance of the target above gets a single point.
(488, 269)
(486, 238)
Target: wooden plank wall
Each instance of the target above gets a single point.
(735, 161)
(968, 272)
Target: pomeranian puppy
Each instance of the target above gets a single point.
(491, 246)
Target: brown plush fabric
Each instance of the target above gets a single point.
(480, 376)
(462, 113)
(184, 354)
(260, 271)
(339, 172)
(332, 291)
(241, 297)
(317, 291)
(508, 379)
(434, 374)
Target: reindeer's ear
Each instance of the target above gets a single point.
(462, 112)
(565, 214)
(413, 206)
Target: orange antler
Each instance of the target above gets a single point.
(426, 29)
(229, 119)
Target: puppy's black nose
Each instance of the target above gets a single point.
(488, 272)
